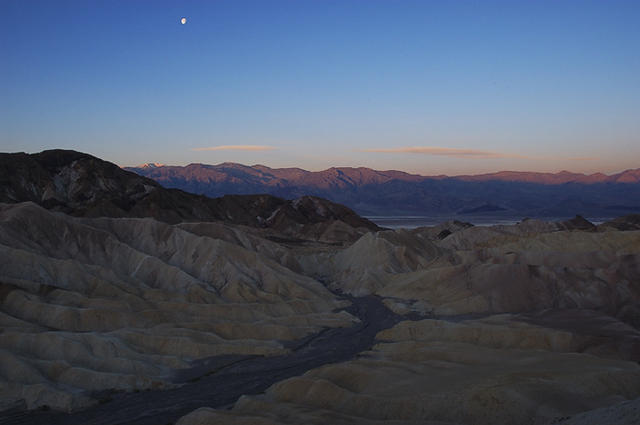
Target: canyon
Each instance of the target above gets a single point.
(126, 302)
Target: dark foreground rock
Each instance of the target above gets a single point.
(82, 185)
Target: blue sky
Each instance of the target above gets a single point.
(429, 87)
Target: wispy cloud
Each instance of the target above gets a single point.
(473, 153)
(236, 148)
(457, 153)
(582, 158)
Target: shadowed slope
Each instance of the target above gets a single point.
(82, 185)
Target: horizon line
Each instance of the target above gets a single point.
(608, 174)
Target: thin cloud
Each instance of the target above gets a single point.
(236, 148)
(473, 153)
(456, 153)
(582, 158)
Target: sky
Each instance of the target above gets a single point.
(430, 87)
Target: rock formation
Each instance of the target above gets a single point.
(82, 185)
(111, 284)
(104, 303)
(496, 370)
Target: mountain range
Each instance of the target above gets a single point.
(82, 185)
(373, 192)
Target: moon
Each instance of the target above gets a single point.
(183, 21)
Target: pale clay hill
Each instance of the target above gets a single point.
(554, 336)
(93, 304)
(549, 325)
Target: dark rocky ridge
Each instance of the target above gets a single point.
(577, 223)
(82, 185)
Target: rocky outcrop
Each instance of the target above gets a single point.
(625, 223)
(577, 223)
(82, 185)
(495, 269)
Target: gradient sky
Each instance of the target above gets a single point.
(430, 87)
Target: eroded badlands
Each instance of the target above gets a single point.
(533, 323)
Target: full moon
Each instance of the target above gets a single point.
(183, 21)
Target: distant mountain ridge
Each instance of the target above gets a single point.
(373, 192)
(150, 165)
(627, 176)
(364, 175)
